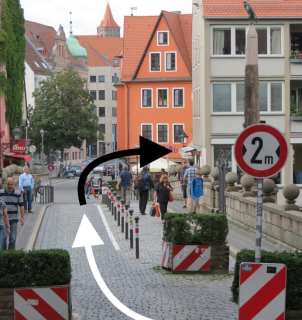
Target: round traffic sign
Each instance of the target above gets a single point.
(51, 167)
(261, 150)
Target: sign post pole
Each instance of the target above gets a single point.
(259, 215)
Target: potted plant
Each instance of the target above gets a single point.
(27, 277)
(195, 243)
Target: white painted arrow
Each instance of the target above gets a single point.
(87, 237)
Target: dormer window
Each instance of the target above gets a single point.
(162, 38)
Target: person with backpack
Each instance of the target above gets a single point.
(144, 185)
(163, 194)
(196, 191)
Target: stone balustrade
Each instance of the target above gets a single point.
(280, 223)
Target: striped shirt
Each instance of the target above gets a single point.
(2, 206)
(13, 201)
(190, 174)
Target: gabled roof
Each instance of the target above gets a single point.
(263, 8)
(108, 20)
(35, 60)
(41, 36)
(101, 51)
(139, 32)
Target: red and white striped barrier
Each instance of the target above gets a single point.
(166, 261)
(41, 303)
(262, 291)
(191, 258)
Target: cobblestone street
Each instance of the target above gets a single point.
(139, 284)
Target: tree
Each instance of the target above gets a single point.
(12, 54)
(65, 112)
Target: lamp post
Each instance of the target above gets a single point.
(42, 145)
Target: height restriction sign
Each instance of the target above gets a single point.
(261, 150)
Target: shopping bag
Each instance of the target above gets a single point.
(157, 210)
(152, 211)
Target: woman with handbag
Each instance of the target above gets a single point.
(163, 194)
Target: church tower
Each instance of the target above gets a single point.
(108, 26)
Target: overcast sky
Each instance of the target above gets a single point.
(87, 14)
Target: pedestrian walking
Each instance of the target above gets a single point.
(163, 194)
(4, 225)
(145, 184)
(196, 191)
(125, 184)
(26, 186)
(183, 182)
(15, 210)
(189, 175)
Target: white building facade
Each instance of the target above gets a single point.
(219, 42)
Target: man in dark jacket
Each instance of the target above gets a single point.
(144, 185)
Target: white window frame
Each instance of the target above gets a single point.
(141, 98)
(184, 98)
(161, 107)
(157, 37)
(147, 124)
(166, 53)
(177, 124)
(157, 135)
(234, 98)
(150, 54)
(233, 40)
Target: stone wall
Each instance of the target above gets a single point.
(278, 224)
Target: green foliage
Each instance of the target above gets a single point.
(34, 268)
(64, 110)
(293, 261)
(196, 228)
(3, 84)
(12, 53)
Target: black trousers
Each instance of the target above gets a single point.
(163, 208)
(143, 199)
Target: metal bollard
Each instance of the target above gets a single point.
(131, 228)
(113, 202)
(119, 211)
(136, 237)
(123, 216)
(109, 199)
(126, 222)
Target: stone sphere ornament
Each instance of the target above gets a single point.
(205, 171)
(247, 183)
(291, 193)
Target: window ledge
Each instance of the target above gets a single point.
(296, 117)
(242, 114)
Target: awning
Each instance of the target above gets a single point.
(24, 157)
(187, 149)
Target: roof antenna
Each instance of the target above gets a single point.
(70, 24)
(132, 10)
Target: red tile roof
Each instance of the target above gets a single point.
(41, 36)
(263, 8)
(108, 20)
(139, 31)
(101, 50)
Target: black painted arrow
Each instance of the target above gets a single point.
(148, 152)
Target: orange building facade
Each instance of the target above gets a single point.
(155, 94)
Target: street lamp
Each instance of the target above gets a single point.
(42, 145)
